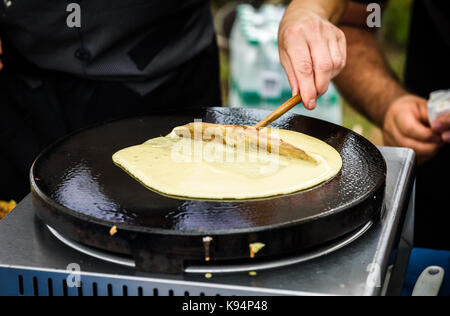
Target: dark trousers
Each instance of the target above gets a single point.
(32, 118)
(432, 222)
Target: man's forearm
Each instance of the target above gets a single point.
(332, 10)
(367, 81)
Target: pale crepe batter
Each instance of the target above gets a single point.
(187, 168)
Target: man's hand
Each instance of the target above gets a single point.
(312, 51)
(442, 126)
(406, 124)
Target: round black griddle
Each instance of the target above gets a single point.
(79, 191)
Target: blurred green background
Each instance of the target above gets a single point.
(393, 38)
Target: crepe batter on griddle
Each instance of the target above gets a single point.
(188, 168)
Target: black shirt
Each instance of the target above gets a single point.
(139, 42)
(428, 70)
(428, 65)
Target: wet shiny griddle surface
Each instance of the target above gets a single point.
(78, 189)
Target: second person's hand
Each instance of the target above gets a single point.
(442, 126)
(406, 125)
(313, 51)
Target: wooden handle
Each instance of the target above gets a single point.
(279, 112)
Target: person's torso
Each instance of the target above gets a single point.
(117, 40)
(428, 63)
(428, 70)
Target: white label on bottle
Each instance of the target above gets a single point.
(271, 85)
